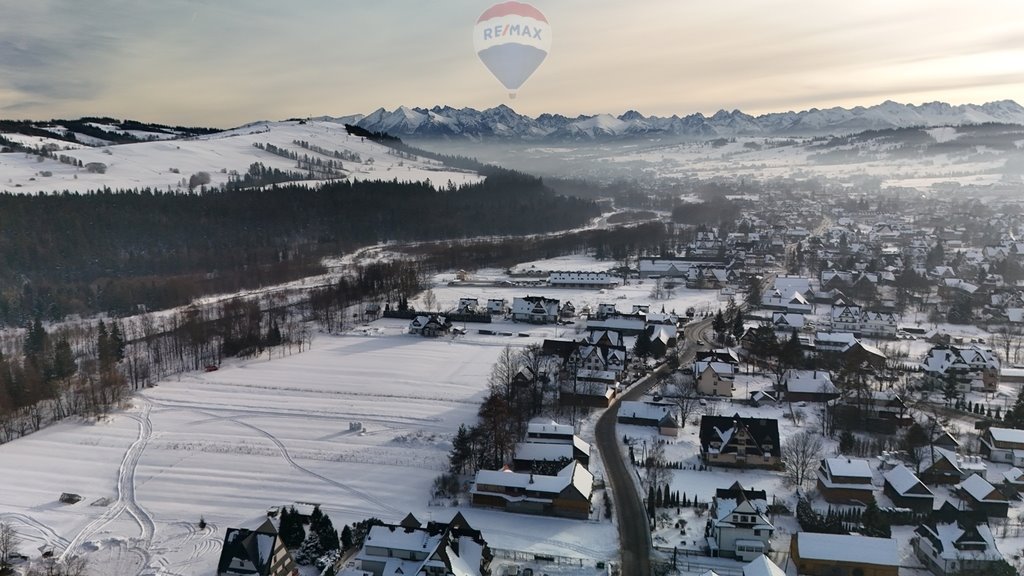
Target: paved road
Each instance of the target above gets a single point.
(634, 534)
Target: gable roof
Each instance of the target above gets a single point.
(979, 489)
(250, 550)
(903, 481)
(847, 548)
(763, 431)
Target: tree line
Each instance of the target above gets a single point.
(121, 252)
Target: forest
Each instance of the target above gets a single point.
(122, 252)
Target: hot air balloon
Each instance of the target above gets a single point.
(512, 39)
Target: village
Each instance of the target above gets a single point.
(819, 416)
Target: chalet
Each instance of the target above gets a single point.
(582, 280)
(596, 357)
(833, 342)
(258, 552)
(809, 386)
(524, 377)
(1003, 445)
(846, 318)
(430, 326)
(844, 555)
(714, 378)
(409, 547)
(740, 442)
(535, 310)
(662, 338)
(604, 338)
(974, 367)
(738, 525)
(794, 303)
(861, 355)
(878, 411)
(843, 480)
(567, 311)
(878, 324)
(983, 497)
(1013, 481)
(606, 309)
(565, 494)
(594, 388)
(953, 548)
(660, 415)
(907, 491)
(497, 306)
(468, 306)
(785, 323)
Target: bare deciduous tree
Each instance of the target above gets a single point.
(685, 397)
(801, 453)
(9, 541)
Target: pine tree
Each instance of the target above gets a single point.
(310, 550)
(737, 326)
(642, 347)
(462, 451)
(116, 343)
(346, 538)
(1015, 415)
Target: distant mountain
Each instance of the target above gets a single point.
(503, 122)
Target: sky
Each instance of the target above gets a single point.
(224, 63)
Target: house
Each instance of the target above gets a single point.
(1003, 445)
(594, 388)
(878, 324)
(627, 324)
(808, 386)
(738, 525)
(606, 309)
(907, 491)
(794, 303)
(567, 311)
(714, 378)
(983, 497)
(660, 415)
(542, 457)
(258, 552)
(843, 480)
(598, 357)
(582, 280)
(540, 432)
(846, 318)
(877, 411)
(565, 494)
(785, 323)
(1013, 480)
(468, 306)
(535, 310)
(974, 367)
(497, 306)
(844, 555)
(953, 548)
(740, 442)
(453, 548)
(431, 326)
(662, 337)
(727, 355)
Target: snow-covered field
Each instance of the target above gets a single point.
(162, 165)
(226, 445)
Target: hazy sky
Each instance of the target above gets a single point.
(227, 62)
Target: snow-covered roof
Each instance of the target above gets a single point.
(543, 451)
(720, 368)
(1007, 435)
(902, 479)
(762, 566)
(646, 410)
(809, 381)
(977, 487)
(949, 535)
(848, 467)
(848, 548)
(574, 473)
(542, 427)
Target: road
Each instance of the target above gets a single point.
(634, 533)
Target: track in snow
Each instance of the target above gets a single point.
(48, 534)
(126, 499)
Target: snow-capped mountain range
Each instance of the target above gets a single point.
(503, 122)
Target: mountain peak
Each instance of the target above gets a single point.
(503, 122)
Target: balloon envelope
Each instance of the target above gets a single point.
(512, 39)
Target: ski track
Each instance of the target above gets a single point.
(126, 499)
(49, 535)
(350, 490)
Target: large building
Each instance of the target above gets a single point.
(740, 442)
(565, 494)
(410, 548)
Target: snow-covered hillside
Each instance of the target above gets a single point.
(167, 164)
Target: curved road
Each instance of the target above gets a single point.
(634, 533)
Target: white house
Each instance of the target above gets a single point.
(535, 309)
(955, 547)
(581, 280)
(738, 526)
(452, 548)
